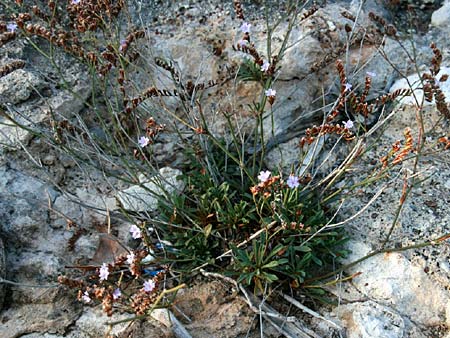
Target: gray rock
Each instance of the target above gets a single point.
(52, 318)
(18, 86)
(23, 201)
(2, 273)
(441, 17)
(144, 197)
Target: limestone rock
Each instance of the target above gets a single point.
(18, 86)
(392, 280)
(144, 197)
(2, 272)
(22, 201)
(369, 319)
(418, 92)
(441, 17)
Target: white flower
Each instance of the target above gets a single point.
(130, 258)
(265, 67)
(11, 27)
(348, 87)
(144, 141)
(264, 176)
(149, 285)
(76, 2)
(271, 92)
(135, 231)
(349, 124)
(245, 27)
(86, 297)
(104, 272)
(371, 74)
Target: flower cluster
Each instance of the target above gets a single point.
(267, 182)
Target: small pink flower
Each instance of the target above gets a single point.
(245, 27)
(264, 176)
(104, 272)
(349, 124)
(11, 27)
(242, 43)
(123, 44)
(271, 92)
(149, 285)
(135, 231)
(265, 67)
(130, 258)
(144, 141)
(86, 297)
(117, 294)
(293, 182)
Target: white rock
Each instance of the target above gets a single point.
(441, 17)
(369, 320)
(414, 80)
(392, 280)
(144, 197)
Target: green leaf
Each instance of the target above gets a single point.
(207, 230)
(302, 248)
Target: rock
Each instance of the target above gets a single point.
(441, 17)
(369, 319)
(49, 160)
(93, 323)
(22, 201)
(18, 86)
(54, 317)
(2, 273)
(416, 86)
(144, 197)
(31, 115)
(392, 280)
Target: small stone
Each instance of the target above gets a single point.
(49, 160)
(440, 17)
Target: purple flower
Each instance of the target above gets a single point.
(86, 297)
(265, 67)
(149, 285)
(348, 87)
(75, 2)
(135, 231)
(144, 141)
(117, 294)
(242, 43)
(271, 92)
(11, 27)
(104, 272)
(130, 258)
(371, 74)
(293, 182)
(245, 27)
(123, 44)
(264, 176)
(349, 124)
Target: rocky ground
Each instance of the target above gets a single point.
(396, 295)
